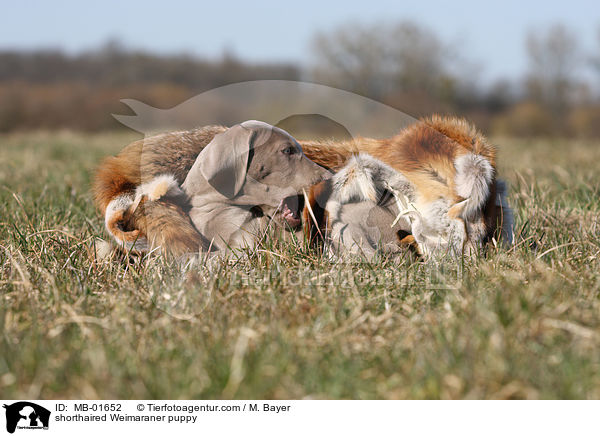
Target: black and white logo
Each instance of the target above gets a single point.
(26, 415)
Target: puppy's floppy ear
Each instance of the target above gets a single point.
(224, 161)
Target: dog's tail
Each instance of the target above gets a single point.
(117, 176)
(126, 211)
(155, 215)
(474, 176)
(140, 216)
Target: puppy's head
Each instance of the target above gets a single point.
(263, 165)
(278, 159)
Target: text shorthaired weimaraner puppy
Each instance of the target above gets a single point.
(245, 177)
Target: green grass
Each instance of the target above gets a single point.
(283, 323)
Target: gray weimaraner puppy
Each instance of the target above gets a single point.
(243, 179)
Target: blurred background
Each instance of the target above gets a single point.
(514, 68)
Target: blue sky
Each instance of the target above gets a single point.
(489, 34)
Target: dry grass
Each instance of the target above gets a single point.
(283, 323)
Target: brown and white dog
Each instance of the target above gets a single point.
(441, 168)
(433, 185)
(369, 207)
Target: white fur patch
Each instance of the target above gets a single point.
(474, 173)
(120, 203)
(123, 203)
(159, 187)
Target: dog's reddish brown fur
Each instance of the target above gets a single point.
(315, 216)
(424, 152)
(123, 225)
(167, 224)
(118, 175)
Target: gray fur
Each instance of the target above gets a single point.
(359, 215)
(226, 190)
(363, 222)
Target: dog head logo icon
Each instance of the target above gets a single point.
(26, 415)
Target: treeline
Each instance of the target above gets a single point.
(49, 89)
(401, 64)
(409, 67)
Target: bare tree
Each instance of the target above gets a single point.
(418, 56)
(377, 59)
(351, 57)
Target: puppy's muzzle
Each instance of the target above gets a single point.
(290, 211)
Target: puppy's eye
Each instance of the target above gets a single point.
(289, 150)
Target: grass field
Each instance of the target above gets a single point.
(282, 323)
